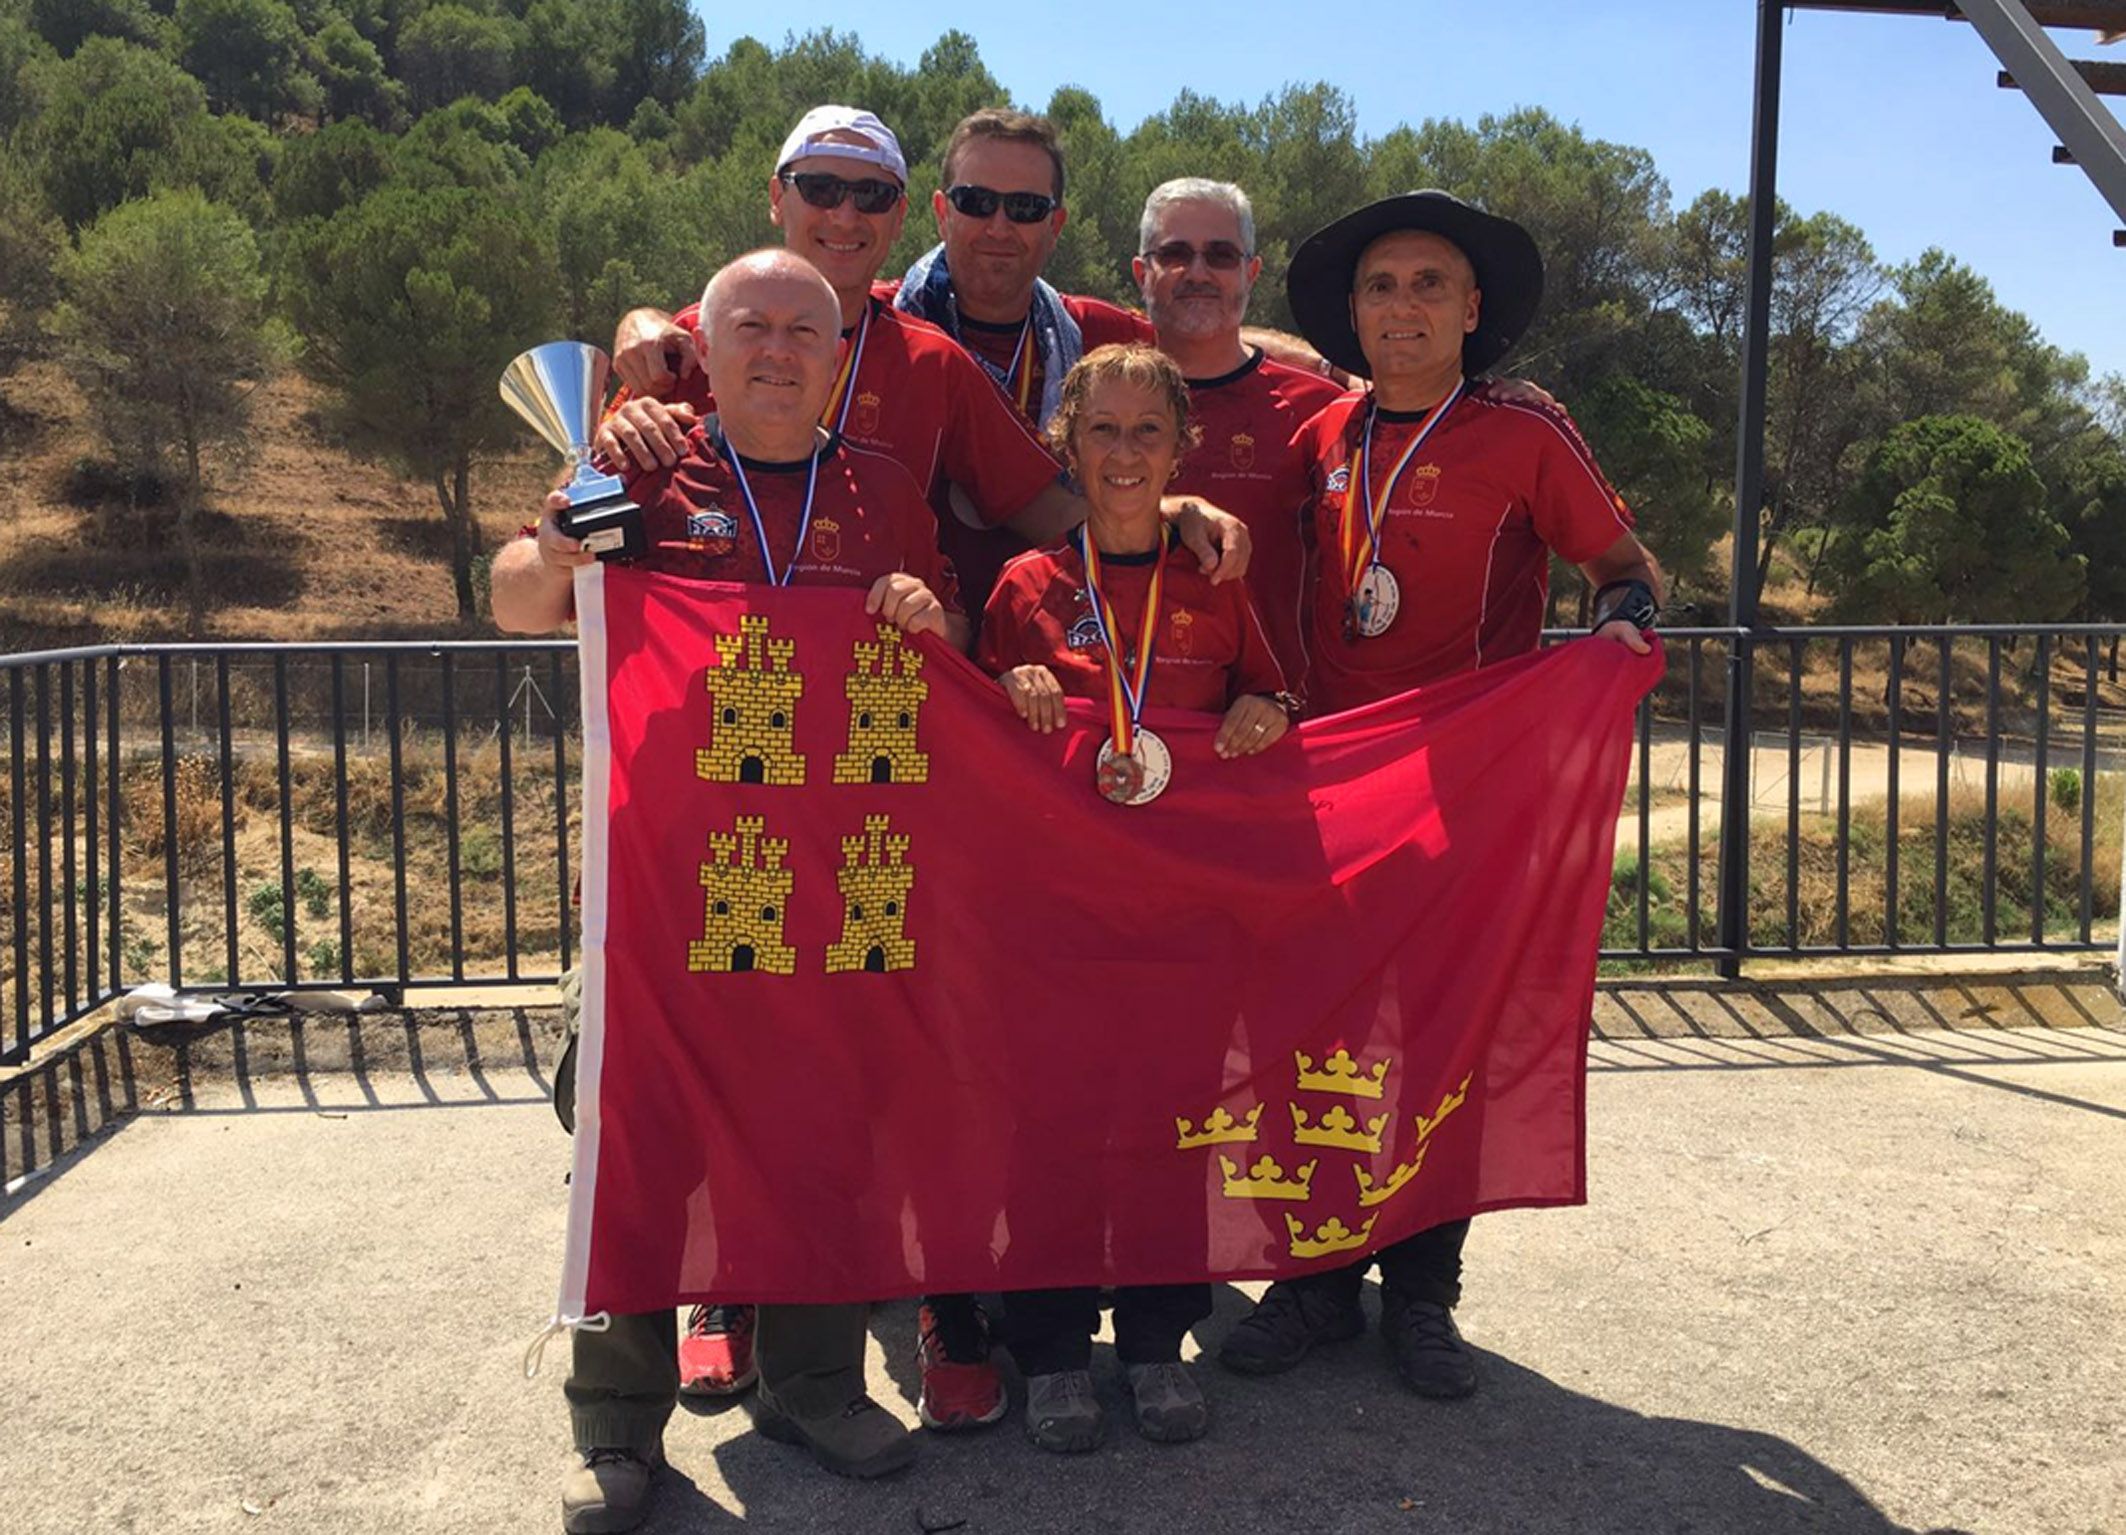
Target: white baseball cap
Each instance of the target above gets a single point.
(879, 146)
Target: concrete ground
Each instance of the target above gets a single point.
(1829, 1279)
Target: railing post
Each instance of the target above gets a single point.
(1749, 496)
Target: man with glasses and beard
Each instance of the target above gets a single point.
(1197, 270)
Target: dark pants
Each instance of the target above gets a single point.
(624, 1382)
(1052, 1330)
(1427, 1266)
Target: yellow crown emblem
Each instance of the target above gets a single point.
(1369, 1195)
(869, 401)
(1341, 1074)
(1338, 1129)
(1219, 1129)
(1266, 1180)
(1447, 1105)
(1331, 1236)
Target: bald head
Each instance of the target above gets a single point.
(771, 331)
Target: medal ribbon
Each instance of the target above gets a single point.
(837, 411)
(1125, 686)
(760, 529)
(1020, 366)
(1361, 542)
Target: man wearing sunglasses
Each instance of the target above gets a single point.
(1197, 271)
(839, 196)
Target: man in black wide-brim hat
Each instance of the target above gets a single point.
(1435, 511)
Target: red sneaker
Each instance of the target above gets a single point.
(961, 1388)
(716, 1355)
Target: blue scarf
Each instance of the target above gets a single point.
(926, 292)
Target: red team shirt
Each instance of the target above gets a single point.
(980, 555)
(869, 519)
(1468, 536)
(1210, 650)
(920, 400)
(1244, 464)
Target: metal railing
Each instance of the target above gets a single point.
(394, 816)
(377, 816)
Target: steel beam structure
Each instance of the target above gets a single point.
(2085, 126)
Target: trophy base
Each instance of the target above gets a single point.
(609, 527)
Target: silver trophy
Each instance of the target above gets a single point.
(559, 388)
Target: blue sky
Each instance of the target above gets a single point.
(1892, 122)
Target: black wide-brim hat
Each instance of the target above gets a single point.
(1509, 273)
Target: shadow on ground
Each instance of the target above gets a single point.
(1526, 1454)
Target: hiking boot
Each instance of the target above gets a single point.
(1286, 1322)
(607, 1491)
(716, 1355)
(961, 1387)
(1427, 1347)
(1062, 1414)
(1170, 1405)
(862, 1440)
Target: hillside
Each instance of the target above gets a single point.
(304, 542)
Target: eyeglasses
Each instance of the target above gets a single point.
(824, 191)
(1179, 256)
(1019, 207)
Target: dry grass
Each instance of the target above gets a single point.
(303, 543)
(1960, 903)
(330, 939)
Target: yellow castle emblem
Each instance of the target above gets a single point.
(886, 692)
(752, 709)
(875, 877)
(746, 894)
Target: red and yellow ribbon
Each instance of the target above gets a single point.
(1361, 537)
(1125, 681)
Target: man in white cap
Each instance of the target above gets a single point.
(839, 196)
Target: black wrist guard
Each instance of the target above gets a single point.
(1630, 602)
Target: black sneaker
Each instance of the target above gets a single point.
(1286, 1322)
(863, 1440)
(1427, 1347)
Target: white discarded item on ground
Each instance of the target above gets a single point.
(156, 1003)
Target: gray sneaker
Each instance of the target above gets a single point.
(608, 1491)
(1062, 1414)
(1170, 1405)
(863, 1440)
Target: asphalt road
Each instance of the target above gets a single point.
(1863, 1283)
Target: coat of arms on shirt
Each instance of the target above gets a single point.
(713, 525)
(1084, 633)
(1241, 450)
(1183, 629)
(864, 419)
(1423, 481)
(826, 539)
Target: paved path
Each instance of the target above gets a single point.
(1855, 1283)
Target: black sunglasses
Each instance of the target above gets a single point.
(824, 191)
(1019, 207)
(1179, 255)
